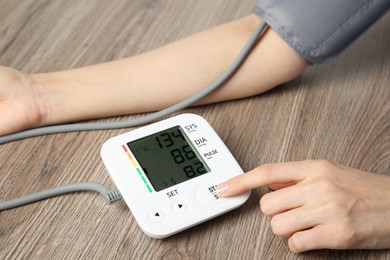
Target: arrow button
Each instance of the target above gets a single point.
(157, 215)
(180, 206)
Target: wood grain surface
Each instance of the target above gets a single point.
(338, 111)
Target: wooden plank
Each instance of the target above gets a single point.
(339, 111)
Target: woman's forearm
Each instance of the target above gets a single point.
(167, 75)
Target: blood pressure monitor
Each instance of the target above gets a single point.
(167, 173)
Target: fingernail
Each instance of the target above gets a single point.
(222, 188)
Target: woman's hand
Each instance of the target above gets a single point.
(318, 204)
(20, 102)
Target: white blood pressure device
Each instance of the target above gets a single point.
(167, 173)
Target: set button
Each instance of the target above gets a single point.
(180, 206)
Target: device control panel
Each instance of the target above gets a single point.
(167, 173)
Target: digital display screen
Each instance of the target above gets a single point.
(168, 158)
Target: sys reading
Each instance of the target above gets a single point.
(168, 158)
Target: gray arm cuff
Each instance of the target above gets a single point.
(320, 30)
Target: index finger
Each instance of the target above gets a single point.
(268, 174)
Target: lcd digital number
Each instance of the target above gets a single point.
(168, 158)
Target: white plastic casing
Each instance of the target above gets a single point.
(163, 213)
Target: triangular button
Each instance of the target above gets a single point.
(180, 206)
(157, 215)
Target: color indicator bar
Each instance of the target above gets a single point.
(134, 163)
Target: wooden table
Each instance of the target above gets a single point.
(339, 112)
